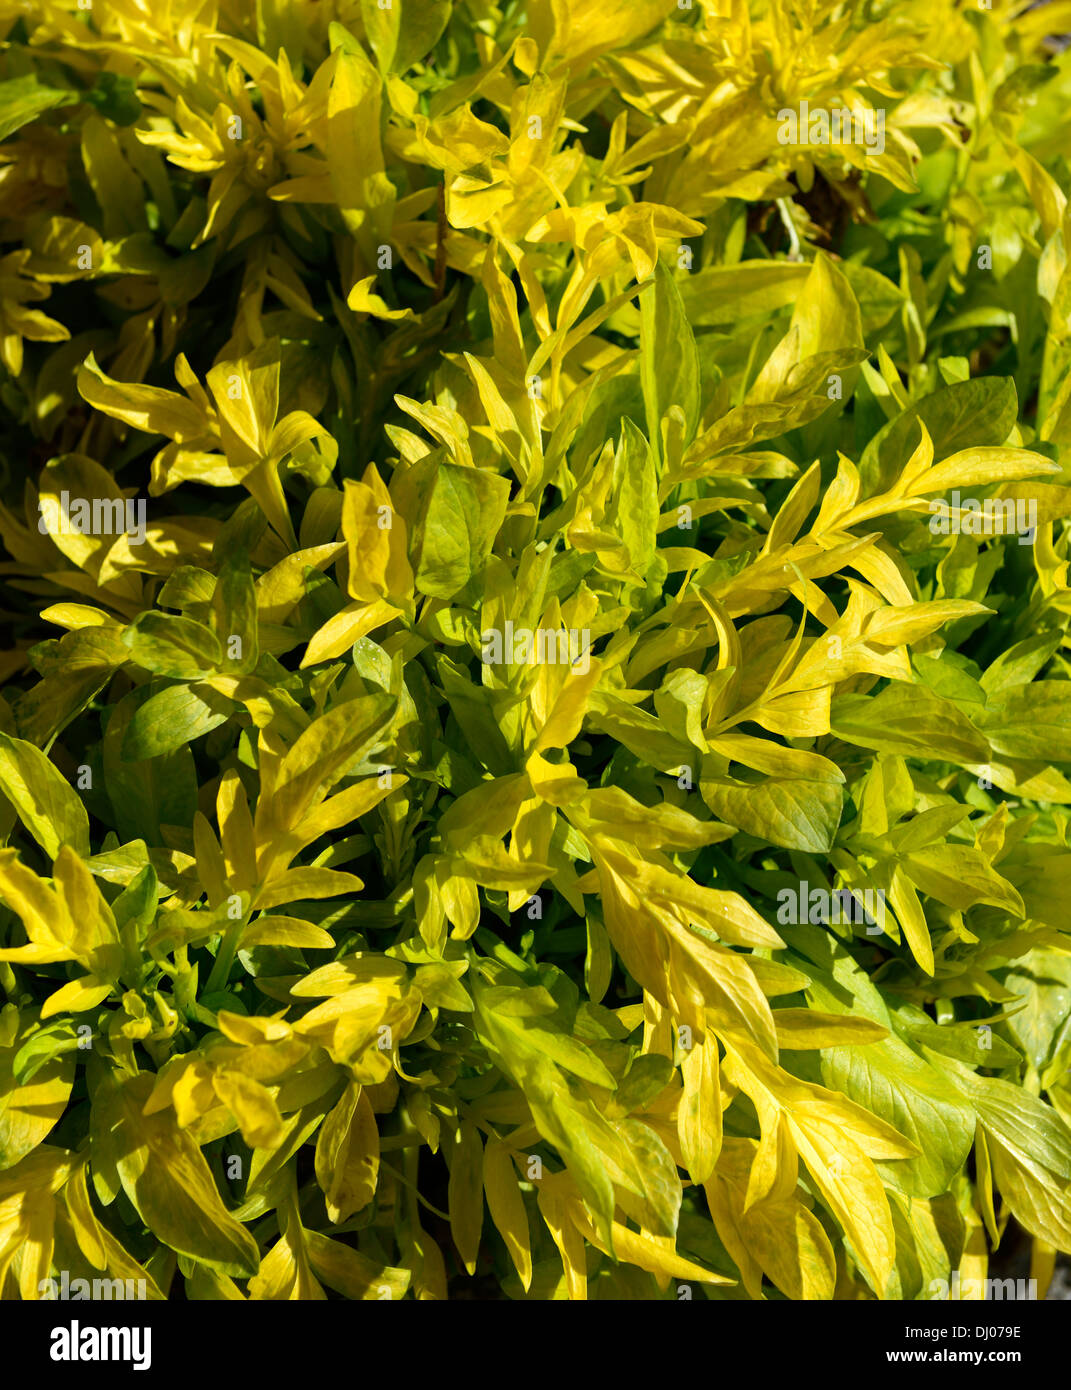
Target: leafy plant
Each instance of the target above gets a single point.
(485, 480)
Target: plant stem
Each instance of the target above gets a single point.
(228, 948)
(795, 248)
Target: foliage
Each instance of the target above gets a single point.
(351, 949)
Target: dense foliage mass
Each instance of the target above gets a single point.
(528, 766)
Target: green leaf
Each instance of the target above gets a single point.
(824, 337)
(887, 1077)
(669, 363)
(170, 645)
(234, 614)
(563, 1118)
(1042, 979)
(1020, 663)
(23, 99)
(347, 1155)
(33, 1091)
(471, 707)
(635, 510)
(146, 793)
(1042, 1206)
(171, 718)
(83, 663)
(909, 720)
(465, 1193)
(164, 1174)
(969, 415)
(726, 294)
(1030, 721)
(454, 513)
(895, 1084)
(405, 31)
(650, 1188)
(794, 813)
(960, 876)
(352, 1274)
(120, 195)
(43, 1045)
(976, 1044)
(1021, 1121)
(46, 804)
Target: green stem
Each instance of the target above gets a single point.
(401, 1141)
(795, 249)
(443, 1215)
(228, 949)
